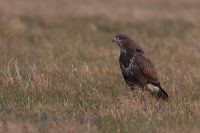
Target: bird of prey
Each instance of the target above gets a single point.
(137, 68)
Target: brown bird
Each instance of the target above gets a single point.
(136, 67)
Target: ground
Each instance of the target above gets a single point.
(59, 70)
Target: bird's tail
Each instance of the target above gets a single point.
(162, 94)
(157, 91)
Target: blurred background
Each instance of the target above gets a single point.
(59, 71)
(126, 10)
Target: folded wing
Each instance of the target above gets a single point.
(146, 68)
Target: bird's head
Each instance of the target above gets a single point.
(122, 40)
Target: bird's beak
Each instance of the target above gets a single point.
(114, 39)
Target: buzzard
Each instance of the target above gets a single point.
(136, 67)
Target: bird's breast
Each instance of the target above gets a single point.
(129, 66)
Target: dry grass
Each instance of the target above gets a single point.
(59, 71)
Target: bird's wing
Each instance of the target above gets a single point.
(146, 68)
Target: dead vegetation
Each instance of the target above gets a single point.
(59, 71)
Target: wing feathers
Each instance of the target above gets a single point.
(146, 68)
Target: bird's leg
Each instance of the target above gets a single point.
(131, 85)
(143, 88)
(132, 88)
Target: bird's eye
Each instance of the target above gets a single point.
(119, 38)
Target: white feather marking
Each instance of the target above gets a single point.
(131, 66)
(152, 88)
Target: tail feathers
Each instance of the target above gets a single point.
(162, 94)
(157, 91)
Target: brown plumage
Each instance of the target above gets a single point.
(137, 68)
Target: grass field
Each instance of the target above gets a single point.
(59, 70)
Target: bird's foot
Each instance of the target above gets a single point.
(132, 88)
